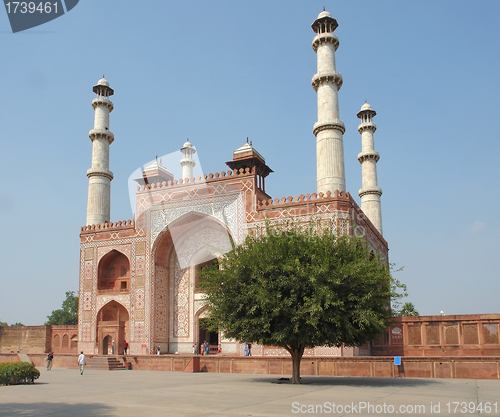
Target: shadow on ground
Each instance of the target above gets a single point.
(355, 381)
(55, 410)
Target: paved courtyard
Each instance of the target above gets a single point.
(64, 392)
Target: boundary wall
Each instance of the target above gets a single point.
(411, 367)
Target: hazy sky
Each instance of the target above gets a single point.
(218, 71)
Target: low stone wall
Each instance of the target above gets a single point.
(59, 361)
(411, 367)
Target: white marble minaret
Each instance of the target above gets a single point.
(370, 192)
(329, 129)
(187, 161)
(98, 204)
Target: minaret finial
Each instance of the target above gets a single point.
(247, 139)
(324, 8)
(156, 157)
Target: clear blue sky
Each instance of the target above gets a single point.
(217, 71)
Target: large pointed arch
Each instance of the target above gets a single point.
(192, 239)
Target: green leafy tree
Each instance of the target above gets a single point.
(67, 314)
(408, 309)
(3, 324)
(17, 324)
(297, 289)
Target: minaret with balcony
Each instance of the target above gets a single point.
(329, 129)
(98, 203)
(187, 161)
(370, 192)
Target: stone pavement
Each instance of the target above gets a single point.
(64, 392)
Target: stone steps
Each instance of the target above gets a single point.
(108, 363)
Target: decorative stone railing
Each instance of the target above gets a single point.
(124, 224)
(198, 180)
(287, 201)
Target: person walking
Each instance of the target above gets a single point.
(249, 349)
(81, 362)
(125, 347)
(50, 356)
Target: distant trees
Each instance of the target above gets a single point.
(5, 324)
(408, 309)
(67, 314)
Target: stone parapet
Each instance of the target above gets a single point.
(205, 179)
(121, 225)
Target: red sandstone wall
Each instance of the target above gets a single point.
(458, 335)
(30, 339)
(435, 367)
(412, 367)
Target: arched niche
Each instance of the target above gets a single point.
(113, 328)
(114, 273)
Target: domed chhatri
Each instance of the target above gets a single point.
(103, 82)
(324, 13)
(187, 144)
(366, 106)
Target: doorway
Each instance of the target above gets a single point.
(212, 338)
(106, 344)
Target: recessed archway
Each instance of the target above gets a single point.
(114, 273)
(112, 328)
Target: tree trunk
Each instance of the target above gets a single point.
(296, 358)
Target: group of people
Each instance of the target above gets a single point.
(204, 348)
(247, 349)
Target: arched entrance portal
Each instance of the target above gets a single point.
(112, 329)
(212, 338)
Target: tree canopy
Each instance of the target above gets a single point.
(67, 314)
(408, 309)
(298, 288)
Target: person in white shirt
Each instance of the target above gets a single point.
(81, 362)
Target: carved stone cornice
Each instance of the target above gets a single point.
(331, 124)
(96, 172)
(372, 127)
(325, 38)
(102, 101)
(333, 77)
(376, 191)
(101, 134)
(366, 156)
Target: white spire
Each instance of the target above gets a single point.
(370, 192)
(187, 161)
(98, 204)
(329, 129)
